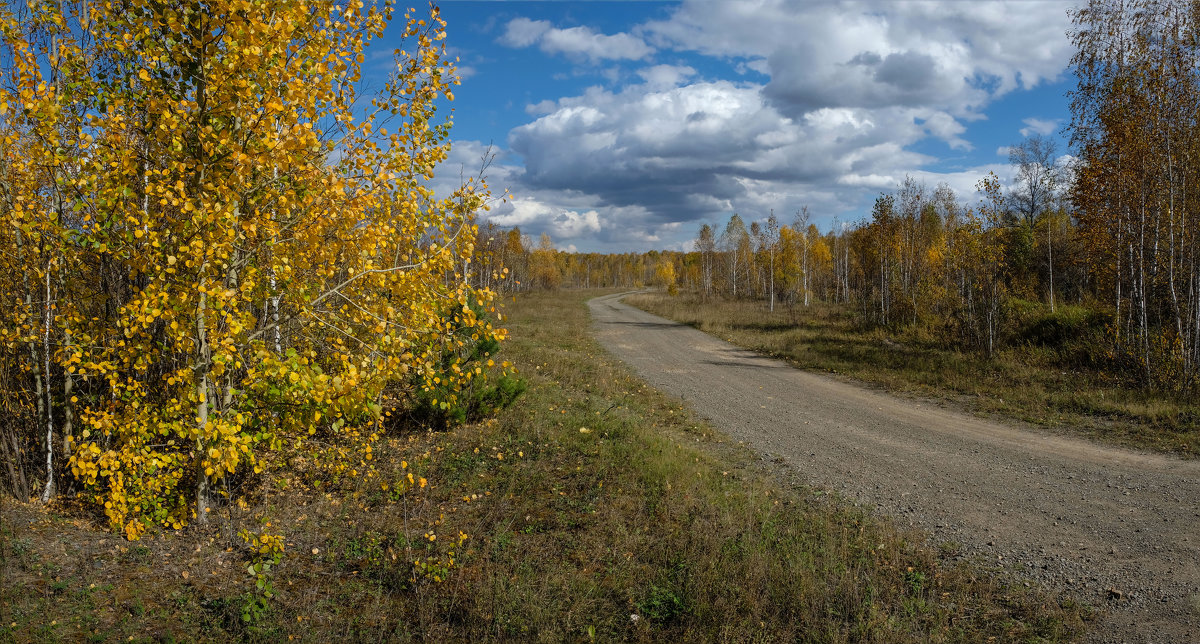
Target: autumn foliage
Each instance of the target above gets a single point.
(214, 247)
(1134, 121)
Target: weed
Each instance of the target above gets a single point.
(915, 580)
(949, 549)
(137, 554)
(21, 547)
(662, 605)
(255, 608)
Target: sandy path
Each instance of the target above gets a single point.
(1119, 528)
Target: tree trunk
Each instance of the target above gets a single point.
(772, 282)
(1050, 260)
(201, 368)
(49, 490)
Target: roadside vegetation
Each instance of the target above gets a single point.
(1042, 375)
(593, 508)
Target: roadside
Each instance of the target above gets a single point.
(595, 508)
(1044, 378)
(1113, 526)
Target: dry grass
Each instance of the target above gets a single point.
(1040, 385)
(648, 526)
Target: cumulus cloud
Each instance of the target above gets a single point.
(832, 100)
(541, 107)
(575, 42)
(559, 222)
(687, 153)
(951, 56)
(948, 129)
(523, 32)
(572, 219)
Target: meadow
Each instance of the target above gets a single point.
(592, 509)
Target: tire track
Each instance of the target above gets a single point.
(1119, 528)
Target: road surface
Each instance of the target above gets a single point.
(1119, 528)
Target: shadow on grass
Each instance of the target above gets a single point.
(652, 325)
(759, 364)
(766, 327)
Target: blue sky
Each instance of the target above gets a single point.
(624, 126)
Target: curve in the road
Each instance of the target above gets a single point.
(1120, 528)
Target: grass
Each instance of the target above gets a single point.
(596, 509)
(1029, 381)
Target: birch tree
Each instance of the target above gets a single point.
(257, 254)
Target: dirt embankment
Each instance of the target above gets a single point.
(1119, 528)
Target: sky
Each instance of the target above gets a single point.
(625, 126)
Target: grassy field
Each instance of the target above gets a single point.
(1029, 382)
(593, 509)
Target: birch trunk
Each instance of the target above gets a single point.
(201, 368)
(49, 490)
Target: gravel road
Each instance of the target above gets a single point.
(1120, 529)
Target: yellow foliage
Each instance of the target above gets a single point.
(228, 279)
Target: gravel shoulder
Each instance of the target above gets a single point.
(1119, 528)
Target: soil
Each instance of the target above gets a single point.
(1119, 529)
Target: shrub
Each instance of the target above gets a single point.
(444, 399)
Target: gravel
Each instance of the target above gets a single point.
(1115, 527)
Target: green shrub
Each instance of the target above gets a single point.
(478, 399)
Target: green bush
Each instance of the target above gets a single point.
(479, 399)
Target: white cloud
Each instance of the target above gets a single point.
(949, 56)
(559, 222)
(574, 42)
(946, 128)
(666, 76)
(540, 108)
(567, 217)
(584, 42)
(523, 32)
(685, 153)
(1038, 126)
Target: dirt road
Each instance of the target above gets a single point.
(1121, 529)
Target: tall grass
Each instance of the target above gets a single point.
(595, 509)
